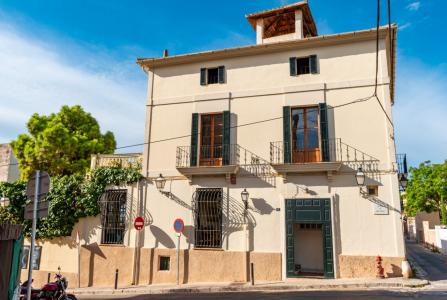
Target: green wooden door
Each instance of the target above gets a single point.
(312, 211)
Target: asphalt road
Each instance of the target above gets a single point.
(360, 294)
(434, 264)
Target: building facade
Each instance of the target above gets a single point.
(9, 168)
(287, 123)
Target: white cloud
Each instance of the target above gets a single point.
(404, 26)
(420, 111)
(41, 76)
(324, 27)
(414, 6)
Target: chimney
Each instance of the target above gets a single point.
(165, 53)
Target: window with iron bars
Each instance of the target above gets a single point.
(208, 218)
(113, 216)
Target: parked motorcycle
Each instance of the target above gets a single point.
(51, 291)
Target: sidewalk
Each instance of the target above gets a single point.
(301, 284)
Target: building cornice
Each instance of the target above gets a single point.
(318, 41)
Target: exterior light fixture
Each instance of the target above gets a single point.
(160, 182)
(403, 181)
(4, 201)
(244, 196)
(360, 177)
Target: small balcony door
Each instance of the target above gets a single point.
(305, 135)
(211, 139)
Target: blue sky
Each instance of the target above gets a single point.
(83, 52)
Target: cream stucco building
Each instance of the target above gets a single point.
(290, 120)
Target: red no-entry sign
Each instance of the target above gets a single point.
(138, 223)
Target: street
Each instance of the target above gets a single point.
(434, 264)
(337, 294)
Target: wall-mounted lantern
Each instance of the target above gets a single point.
(244, 196)
(360, 177)
(403, 182)
(160, 182)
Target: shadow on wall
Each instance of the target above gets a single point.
(161, 237)
(396, 271)
(337, 234)
(234, 217)
(94, 249)
(261, 206)
(379, 202)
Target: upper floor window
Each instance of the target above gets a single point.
(303, 65)
(212, 75)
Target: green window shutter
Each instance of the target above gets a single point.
(15, 266)
(286, 135)
(324, 132)
(313, 64)
(226, 155)
(194, 139)
(221, 74)
(292, 62)
(203, 76)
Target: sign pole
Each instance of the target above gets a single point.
(178, 257)
(33, 235)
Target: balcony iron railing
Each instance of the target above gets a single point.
(217, 156)
(331, 150)
(134, 160)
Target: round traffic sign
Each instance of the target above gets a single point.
(138, 223)
(179, 225)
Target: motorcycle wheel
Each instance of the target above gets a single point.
(67, 297)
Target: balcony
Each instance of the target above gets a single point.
(221, 160)
(329, 157)
(111, 160)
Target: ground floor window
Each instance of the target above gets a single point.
(113, 216)
(208, 218)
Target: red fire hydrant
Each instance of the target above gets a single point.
(379, 267)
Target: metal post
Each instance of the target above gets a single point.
(178, 258)
(252, 274)
(49, 278)
(116, 279)
(33, 234)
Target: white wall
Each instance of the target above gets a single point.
(257, 88)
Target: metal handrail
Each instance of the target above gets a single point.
(336, 149)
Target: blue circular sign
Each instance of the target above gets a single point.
(179, 225)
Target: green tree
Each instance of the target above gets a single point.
(427, 189)
(61, 143)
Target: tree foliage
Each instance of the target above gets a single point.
(71, 197)
(61, 143)
(427, 189)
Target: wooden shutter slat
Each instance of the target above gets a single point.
(226, 137)
(292, 62)
(194, 138)
(203, 76)
(286, 134)
(221, 74)
(324, 132)
(313, 64)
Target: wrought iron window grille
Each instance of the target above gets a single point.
(113, 204)
(208, 217)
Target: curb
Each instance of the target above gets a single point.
(260, 288)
